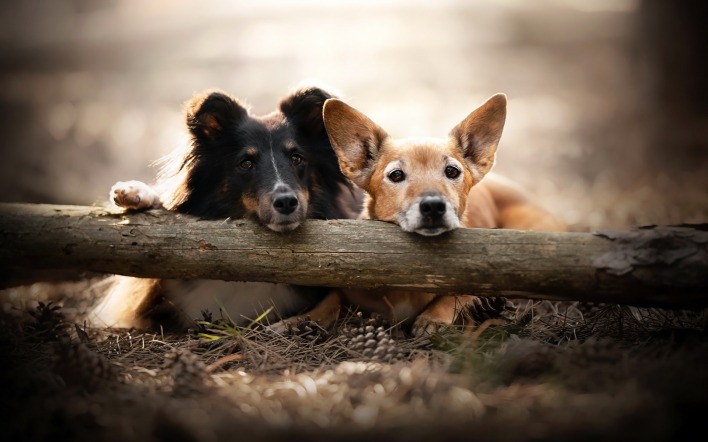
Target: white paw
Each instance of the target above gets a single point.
(134, 195)
(425, 325)
(282, 327)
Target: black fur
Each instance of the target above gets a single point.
(212, 179)
(291, 161)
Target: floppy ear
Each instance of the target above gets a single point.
(208, 114)
(477, 136)
(304, 108)
(355, 138)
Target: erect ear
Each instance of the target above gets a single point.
(208, 114)
(304, 108)
(355, 138)
(477, 136)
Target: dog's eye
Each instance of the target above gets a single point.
(296, 159)
(452, 172)
(396, 176)
(246, 164)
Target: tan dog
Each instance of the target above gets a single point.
(427, 186)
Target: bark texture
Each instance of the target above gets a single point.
(661, 266)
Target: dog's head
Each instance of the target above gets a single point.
(420, 184)
(239, 165)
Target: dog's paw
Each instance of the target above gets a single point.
(426, 325)
(280, 327)
(134, 195)
(300, 326)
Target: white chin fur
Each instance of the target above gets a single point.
(283, 227)
(432, 232)
(411, 221)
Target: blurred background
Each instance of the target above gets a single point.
(608, 107)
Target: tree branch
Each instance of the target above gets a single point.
(663, 266)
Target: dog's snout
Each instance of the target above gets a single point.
(285, 203)
(432, 207)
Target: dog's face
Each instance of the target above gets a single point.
(240, 165)
(420, 184)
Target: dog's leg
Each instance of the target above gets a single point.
(325, 313)
(125, 301)
(440, 314)
(134, 195)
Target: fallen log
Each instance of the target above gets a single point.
(660, 266)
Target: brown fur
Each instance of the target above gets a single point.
(369, 157)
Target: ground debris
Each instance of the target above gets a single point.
(548, 371)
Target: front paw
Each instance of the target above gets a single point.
(281, 327)
(301, 326)
(134, 195)
(426, 325)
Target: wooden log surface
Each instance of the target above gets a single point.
(661, 266)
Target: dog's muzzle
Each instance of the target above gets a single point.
(430, 216)
(286, 211)
(432, 209)
(285, 203)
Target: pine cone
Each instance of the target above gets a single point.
(79, 365)
(187, 370)
(49, 322)
(371, 338)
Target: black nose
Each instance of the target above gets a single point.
(432, 207)
(285, 203)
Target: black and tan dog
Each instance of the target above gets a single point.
(427, 186)
(278, 169)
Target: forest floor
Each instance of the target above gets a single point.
(510, 372)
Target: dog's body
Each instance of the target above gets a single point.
(278, 169)
(427, 186)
